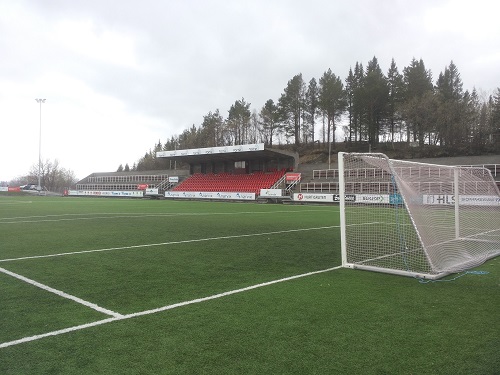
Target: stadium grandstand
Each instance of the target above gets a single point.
(231, 172)
(244, 172)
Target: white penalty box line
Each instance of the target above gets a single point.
(116, 316)
(61, 293)
(119, 317)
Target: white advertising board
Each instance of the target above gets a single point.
(210, 195)
(2, 188)
(151, 191)
(271, 192)
(173, 179)
(211, 150)
(437, 199)
(464, 200)
(107, 193)
(353, 198)
(372, 198)
(313, 197)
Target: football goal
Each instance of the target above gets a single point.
(416, 219)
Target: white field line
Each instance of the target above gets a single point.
(61, 294)
(167, 243)
(14, 202)
(160, 309)
(64, 217)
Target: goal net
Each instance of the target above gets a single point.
(416, 219)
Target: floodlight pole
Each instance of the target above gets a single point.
(39, 187)
(329, 153)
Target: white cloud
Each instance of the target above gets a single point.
(90, 41)
(471, 20)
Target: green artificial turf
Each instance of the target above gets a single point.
(158, 253)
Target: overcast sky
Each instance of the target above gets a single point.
(119, 75)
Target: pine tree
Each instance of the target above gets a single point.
(471, 120)
(376, 94)
(418, 83)
(269, 121)
(332, 100)
(355, 106)
(212, 129)
(291, 105)
(311, 109)
(350, 88)
(452, 109)
(396, 96)
(238, 122)
(494, 128)
(191, 138)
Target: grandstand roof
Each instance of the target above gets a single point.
(228, 153)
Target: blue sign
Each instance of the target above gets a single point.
(395, 199)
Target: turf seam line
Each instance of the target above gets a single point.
(61, 293)
(160, 309)
(166, 243)
(48, 218)
(14, 202)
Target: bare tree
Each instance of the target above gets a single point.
(53, 177)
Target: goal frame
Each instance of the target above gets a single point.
(343, 222)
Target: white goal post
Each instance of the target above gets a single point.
(416, 219)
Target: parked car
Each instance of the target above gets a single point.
(30, 187)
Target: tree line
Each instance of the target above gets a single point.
(367, 106)
(53, 177)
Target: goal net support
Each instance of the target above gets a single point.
(416, 219)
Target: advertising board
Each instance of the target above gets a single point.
(107, 193)
(151, 191)
(271, 192)
(211, 150)
(209, 195)
(352, 198)
(10, 188)
(313, 197)
(290, 177)
(464, 200)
